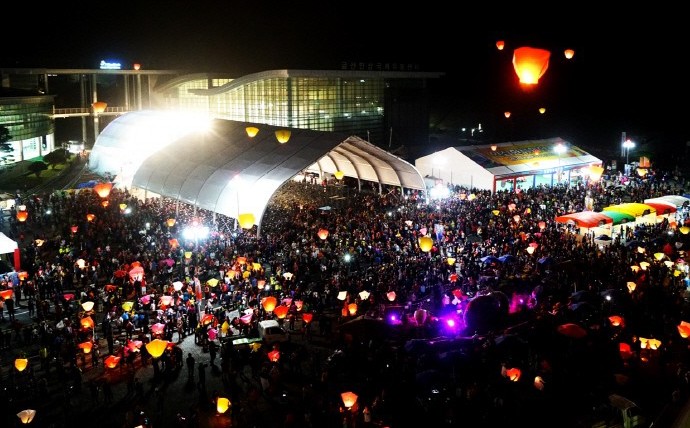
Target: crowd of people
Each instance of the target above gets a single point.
(146, 282)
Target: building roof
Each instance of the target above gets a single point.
(527, 157)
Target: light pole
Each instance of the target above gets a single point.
(237, 183)
(627, 145)
(559, 149)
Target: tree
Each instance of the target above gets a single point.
(55, 157)
(37, 167)
(5, 137)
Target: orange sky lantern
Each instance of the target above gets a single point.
(86, 346)
(156, 347)
(103, 189)
(87, 322)
(530, 64)
(569, 53)
(22, 215)
(112, 361)
(281, 311)
(99, 106)
(269, 303)
(323, 233)
(20, 364)
(274, 356)
(500, 44)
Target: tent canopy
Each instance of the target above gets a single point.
(585, 219)
(619, 217)
(662, 207)
(7, 245)
(633, 208)
(675, 200)
(221, 169)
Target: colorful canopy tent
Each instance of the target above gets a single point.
(10, 246)
(643, 213)
(662, 208)
(585, 219)
(619, 217)
(676, 200)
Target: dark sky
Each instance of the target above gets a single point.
(628, 73)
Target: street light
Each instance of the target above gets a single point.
(627, 145)
(559, 149)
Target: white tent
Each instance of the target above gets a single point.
(7, 245)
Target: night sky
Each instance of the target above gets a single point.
(628, 73)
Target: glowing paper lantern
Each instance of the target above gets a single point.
(281, 311)
(105, 204)
(323, 233)
(26, 416)
(425, 243)
(684, 329)
(507, 114)
(166, 301)
(644, 265)
(539, 383)
(542, 110)
(252, 131)
(299, 304)
(684, 230)
(283, 135)
(187, 255)
(349, 399)
(513, 374)
(86, 346)
(87, 322)
(352, 309)
(307, 317)
(391, 296)
(652, 344)
(156, 347)
(207, 319)
(624, 350)
(22, 215)
(87, 306)
(103, 189)
(127, 306)
(342, 295)
(123, 207)
(364, 294)
(225, 327)
(269, 303)
(6, 294)
(542, 225)
(170, 222)
(24, 275)
(569, 53)
(530, 64)
(20, 364)
(274, 356)
(500, 44)
(420, 316)
(246, 220)
(99, 106)
(222, 405)
(74, 228)
(112, 361)
(616, 321)
(339, 175)
(136, 67)
(90, 217)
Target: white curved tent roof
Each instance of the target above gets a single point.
(225, 171)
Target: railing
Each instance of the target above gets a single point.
(86, 111)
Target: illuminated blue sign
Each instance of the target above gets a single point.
(105, 65)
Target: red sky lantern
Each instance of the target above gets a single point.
(274, 356)
(103, 189)
(307, 317)
(281, 311)
(684, 329)
(391, 296)
(22, 215)
(323, 234)
(112, 361)
(207, 319)
(74, 228)
(530, 64)
(86, 346)
(513, 374)
(6, 294)
(500, 44)
(99, 106)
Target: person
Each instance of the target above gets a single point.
(32, 306)
(212, 350)
(190, 366)
(10, 309)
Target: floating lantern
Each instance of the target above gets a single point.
(103, 189)
(127, 306)
(307, 317)
(269, 303)
(616, 321)
(420, 316)
(342, 295)
(450, 261)
(246, 220)
(530, 64)
(156, 347)
(112, 361)
(74, 228)
(644, 265)
(391, 296)
(339, 175)
(26, 416)
(539, 383)
(323, 233)
(222, 405)
(507, 114)
(22, 216)
(624, 350)
(352, 309)
(252, 131)
(274, 356)
(425, 243)
(542, 225)
(684, 230)
(20, 364)
(652, 344)
(281, 311)
(542, 110)
(105, 204)
(6, 294)
(86, 346)
(170, 222)
(283, 135)
(500, 44)
(684, 329)
(513, 374)
(87, 306)
(349, 399)
(99, 106)
(90, 217)
(136, 66)
(364, 294)
(87, 322)
(569, 53)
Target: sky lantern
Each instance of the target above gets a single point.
(539, 383)
(652, 344)
(269, 303)
(513, 374)
(283, 135)
(352, 309)
(103, 189)
(156, 347)
(569, 53)
(530, 64)
(99, 106)
(74, 228)
(307, 317)
(170, 222)
(450, 261)
(274, 356)
(112, 361)
(20, 364)
(87, 322)
(105, 204)
(625, 350)
(222, 405)
(323, 233)
(252, 131)
(136, 66)
(507, 114)
(684, 329)
(426, 243)
(500, 44)
(391, 296)
(542, 110)
(349, 399)
(22, 216)
(339, 175)
(281, 311)
(87, 306)
(6, 294)
(420, 316)
(86, 346)
(364, 294)
(246, 220)
(90, 217)
(26, 416)
(616, 321)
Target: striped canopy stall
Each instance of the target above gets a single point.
(619, 217)
(662, 208)
(585, 219)
(675, 200)
(643, 213)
